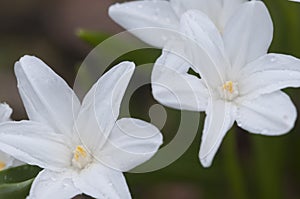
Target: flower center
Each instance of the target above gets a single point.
(229, 90)
(2, 165)
(81, 157)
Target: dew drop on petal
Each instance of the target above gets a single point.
(264, 132)
(273, 59)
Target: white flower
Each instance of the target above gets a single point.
(239, 80)
(166, 15)
(6, 160)
(82, 148)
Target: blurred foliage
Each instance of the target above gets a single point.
(246, 166)
(15, 182)
(91, 37)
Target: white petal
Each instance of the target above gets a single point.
(228, 9)
(174, 87)
(248, 34)
(131, 143)
(17, 163)
(35, 144)
(146, 14)
(270, 114)
(50, 184)
(46, 96)
(6, 160)
(203, 5)
(100, 107)
(269, 73)
(5, 112)
(219, 11)
(220, 118)
(102, 182)
(206, 47)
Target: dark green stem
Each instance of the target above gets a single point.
(233, 168)
(268, 157)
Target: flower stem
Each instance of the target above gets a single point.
(268, 158)
(233, 168)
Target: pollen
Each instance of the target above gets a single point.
(81, 157)
(79, 152)
(228, 86)
(2, 165)
(229, 90)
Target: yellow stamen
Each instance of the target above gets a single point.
(2, 165)
(79, 152)
(228, 86)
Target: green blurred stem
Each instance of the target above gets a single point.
(233, 168)
(268, 158)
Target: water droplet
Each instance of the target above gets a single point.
(65, 186)
(273, 59)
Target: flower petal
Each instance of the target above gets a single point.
(220, 118)
(218, 11)
(46, 96)
(174, 87)
(5, 112)
(35, 144)
(270, 114)
(269, 73)
(248, 33)
(50, 184)
(6, 161)
(203, 5)
(100, 107)
(99, 181)
(131, 143)
(206, 47)
(157, 15)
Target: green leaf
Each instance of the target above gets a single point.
(15, 182)
(91, 37)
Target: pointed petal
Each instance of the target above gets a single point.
(5, 112)
(102, 182)
(146, 14)
(270, 114)
(206, 47)
(46, 96)
(269, 73)
(220, 118)
(174, 87)
(100, 107)
(131, 143)
(50, 184)
(35, 144)
(248, 34)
